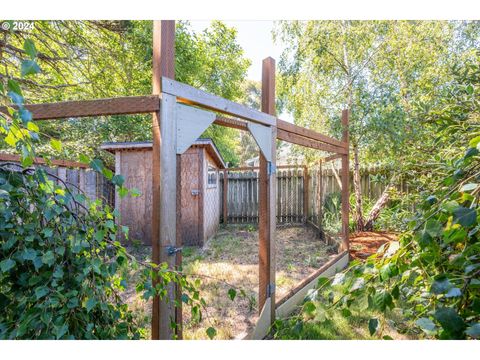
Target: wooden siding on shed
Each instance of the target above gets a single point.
(211, 205)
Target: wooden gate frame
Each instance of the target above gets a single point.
(167, 93)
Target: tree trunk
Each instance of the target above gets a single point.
(358, 216)
(379, 205)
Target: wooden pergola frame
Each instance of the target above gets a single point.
(168, 98)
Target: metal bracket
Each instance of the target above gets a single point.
(263, 137)
(172, 250)
(191, 123)
(270, 290)
(271, 168)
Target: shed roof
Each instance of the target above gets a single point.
(207, 143)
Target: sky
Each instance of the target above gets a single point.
(255, 37)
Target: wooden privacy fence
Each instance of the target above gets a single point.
(76, 176)
(292, 203)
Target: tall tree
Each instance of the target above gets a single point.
(380, 70)
(89, 59)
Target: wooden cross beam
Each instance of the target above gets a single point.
(99, 107)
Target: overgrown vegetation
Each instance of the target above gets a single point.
(432, 277)
(60, 260)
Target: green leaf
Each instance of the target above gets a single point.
(134, 192)
(32, 126)
(99, 235)
(382, 300)
(451, 322)
(373, 325)
(30, 48)
(6, 265)
(118, 180)
(468, 187)
(453, 292)
(48, 258)
(97, 165)
(433, 227)
(426, 325)
(232, 293)
(29, 67)
(441, 286)
(122, 192)
(41, 292)
(473, 331)
(465, 216)
(470, 152)
(13, 86)
(61, 330)
(90, 304)
(309, 308)
(56, 144)
(211, 333)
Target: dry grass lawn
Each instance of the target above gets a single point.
(230, 260)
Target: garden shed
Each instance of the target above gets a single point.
(200, 190)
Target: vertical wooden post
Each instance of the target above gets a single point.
(267, 192)
(225, 196)
(163, 171)
(320, 201)
(305, 194)
(345, 184)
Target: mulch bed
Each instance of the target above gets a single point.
(366, 243)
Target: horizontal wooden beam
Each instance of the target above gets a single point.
(331, 157)
(231, 123)
(191, 95)
(100, 107)
(310, 134)
(38, 160)
(307, 142)
(301, 285)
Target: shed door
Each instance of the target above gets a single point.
(191, 196)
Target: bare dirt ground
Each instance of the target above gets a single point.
(230, 260)
(365, 243)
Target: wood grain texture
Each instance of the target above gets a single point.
(97, 107)
(163, 65)
(307, 133)
(267, 199)
(307, 142)
(190, 95)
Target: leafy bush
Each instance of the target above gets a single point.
(58, 268)
(432, 276)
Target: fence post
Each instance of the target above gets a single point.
(267, 192)
(305, 194)
(225, 196)
(163, 173)
(345, 184)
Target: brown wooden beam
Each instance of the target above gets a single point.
(307, 142)
(267, 200)
(330, 158)
(163, 158)
(307, 133)
(99, 107)
(42, 161)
